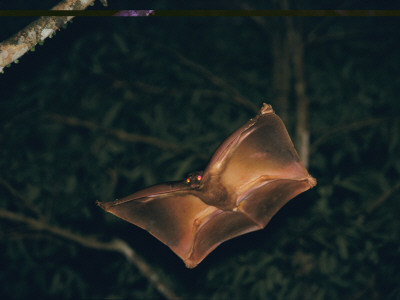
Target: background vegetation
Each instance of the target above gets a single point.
(77, 114)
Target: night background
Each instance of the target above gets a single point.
(109, 106)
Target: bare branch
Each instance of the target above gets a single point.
(348, 128)
(281, 74)
(22, 199)
(219, 82)
(296, 44)
(115, 245)
(216, 80)
(118, 133)
(126, 136)
(11, 190)
(281, 71)
(37, 31)
(383, 198)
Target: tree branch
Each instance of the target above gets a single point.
(281, 74)
(125, 136)
(383, 198)
(115, 245)
(347, 128)
(37, 31)
(296, 44)
(217, 81)
(22, 199)
(118, 133)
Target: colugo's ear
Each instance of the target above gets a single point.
(249, 178)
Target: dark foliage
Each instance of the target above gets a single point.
(340, 239)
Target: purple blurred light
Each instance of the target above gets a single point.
(134, 13)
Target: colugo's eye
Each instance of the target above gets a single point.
(194, 179)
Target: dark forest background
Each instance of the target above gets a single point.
(109, 106)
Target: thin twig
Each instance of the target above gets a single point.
(383, 198)
(219, 82)
(116, 245)
(118, 133)
(214, 79)
(37, 31)
(11, 190)
(347, 128)
(295, 43)
(281, 74)
(126, 136)
(156, 90)
(21, 198)
(281, 71)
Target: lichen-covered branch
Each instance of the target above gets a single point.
(116, 245)
(44, 27)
